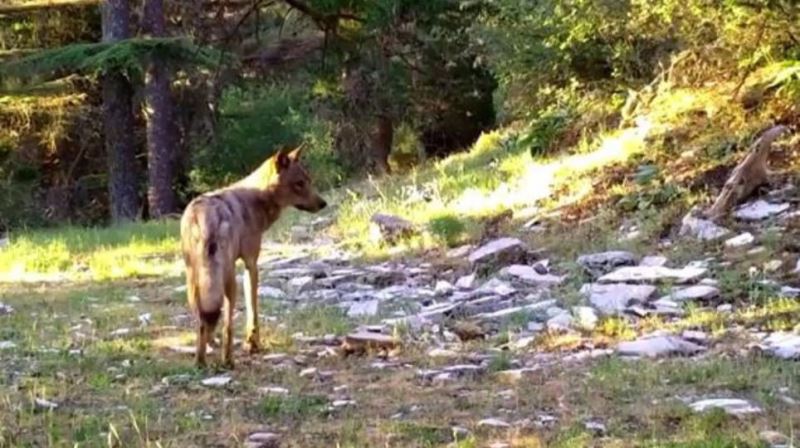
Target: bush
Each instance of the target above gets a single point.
(255, 123)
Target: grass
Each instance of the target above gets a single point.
(118, 383)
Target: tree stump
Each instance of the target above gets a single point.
(751, 173)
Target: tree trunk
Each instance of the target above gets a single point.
(382, 143)
(160, 122)
(118, 121)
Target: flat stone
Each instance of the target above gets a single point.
(657, 346)
(529, 275)
(654, 260)
(299, 284)
(612, 299)
(270, 292)
(759, 210)
(775, 439)
(732, 406)
(701, 229)
(217, 381)
(390, 228)
(585, 317)
(366, 340)
(500, 251)
(361, 309)
(741, 240)
(649, 274)
(277, 391)
(442, 353)
(466, 282)
(45, 405)
(782, 345)
(517, 309)
(7, 345)
(698, 292)
(262, 440)
(494, 423)
(443, 288)
(498, 287)
(560, 322)
(607, 260)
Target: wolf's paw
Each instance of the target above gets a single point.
(251, 346)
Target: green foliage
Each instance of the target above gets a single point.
(543, 131)
(127, 56)
(257, 121)
(292, 406)
(448, 228)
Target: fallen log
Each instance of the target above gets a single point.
(751, 173)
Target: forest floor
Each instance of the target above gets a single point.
(550, 301)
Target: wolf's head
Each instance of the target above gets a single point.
(294, 186)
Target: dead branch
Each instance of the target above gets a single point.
(751, 173)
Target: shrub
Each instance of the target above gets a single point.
(255, 123)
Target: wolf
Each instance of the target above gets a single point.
(220, 227)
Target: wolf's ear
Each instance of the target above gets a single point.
(295, 154)
(282, 160)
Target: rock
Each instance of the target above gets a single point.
(535, 327)
(279, 391)
(145, 318)
(775, 439)
(732, 406)
(529, 275)
(612, 299)
(360, 309)
(390, 228)
(460, 251)
(741, 240)
(442, 353)
(656, 346)
(272, 293)
(654, 260)
(120, 332)
(642, 274)
(7, 345)
(516, 309)
(443, 288)
(605, 261)
(788, 291)
(497, 287)
(502, 251)
(361, 342)
(44, 405)
(560, 322)
(699, 292)
(217, 381)
(701, 229)
(299, 284)
(262, 440)
(5, 309)
(310, 372)
(339, 404)
(595, 426)
(585, 317)
(699, 337)
(493, 423)
(773, 266)
(300, 234)
(759, 210)
(782, 345)
(466, 282)
(725, 308)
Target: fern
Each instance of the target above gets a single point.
(126, 56)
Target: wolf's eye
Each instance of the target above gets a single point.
(299, 185)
